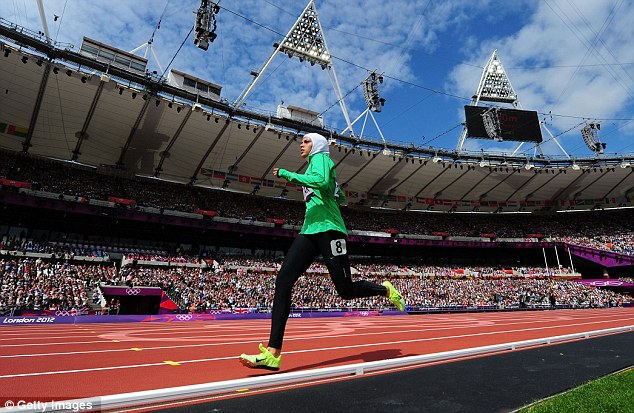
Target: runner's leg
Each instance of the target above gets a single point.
(300, 255)
(333, 247)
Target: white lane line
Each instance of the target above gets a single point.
(159, 329)
(63, 343)
(39, 338)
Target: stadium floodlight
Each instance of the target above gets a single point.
(529, 166)
(590, 135)
(205, 17)
(306, 40)
(495, 84)
(371, 92)
(436, 159)
(575, 166)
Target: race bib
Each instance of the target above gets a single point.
(338, 247)
(308, 193)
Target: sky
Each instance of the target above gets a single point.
(572, 61)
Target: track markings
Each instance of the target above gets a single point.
(392, 331)
(316, 335)
(311, 350)
(171, 363)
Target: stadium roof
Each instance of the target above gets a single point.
(70, 106)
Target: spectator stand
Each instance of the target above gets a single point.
(42, 286)
(73, 183)
(241, 285)
(22, 247)
(162, 260)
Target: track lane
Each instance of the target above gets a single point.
(207, 351)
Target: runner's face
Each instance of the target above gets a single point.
(305, 147)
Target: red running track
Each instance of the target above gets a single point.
(63, 362)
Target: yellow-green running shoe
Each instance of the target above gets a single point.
(264, 360)
(395, 296)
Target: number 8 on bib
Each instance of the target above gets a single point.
(338, 247)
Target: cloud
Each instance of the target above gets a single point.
(566, 58)
(570, 54)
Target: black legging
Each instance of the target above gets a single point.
(303, 252)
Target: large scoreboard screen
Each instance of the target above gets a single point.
(502, 124)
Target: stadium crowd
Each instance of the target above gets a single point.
(248, 282)
(36, 284)
(604, 230)
(21, 244)
(201, 290)
(178, 258)
(449, 271)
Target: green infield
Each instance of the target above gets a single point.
(609, 394)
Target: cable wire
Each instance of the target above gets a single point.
(176, 54)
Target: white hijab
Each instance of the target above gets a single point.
(320, 143)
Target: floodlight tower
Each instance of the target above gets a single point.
(373, 101)
(494, 86)
(306, 41)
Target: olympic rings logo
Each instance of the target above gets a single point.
(64, 313)
(133, 291)
(184, 317)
